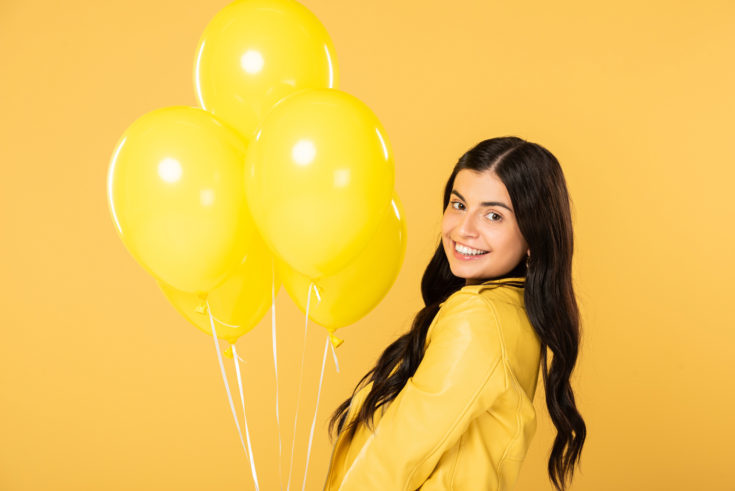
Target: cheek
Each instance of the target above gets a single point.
(510, 243)
(447, 223)
(517, 239)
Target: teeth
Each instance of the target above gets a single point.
(467, 251)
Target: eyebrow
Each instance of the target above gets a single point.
(485, 203)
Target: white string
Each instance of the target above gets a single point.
(301, 378)
(224, 379)
(313, 422)
(245, 417)
(224, 323)
(334, 355)
(221, 322)
(275, 365)
(229, 325)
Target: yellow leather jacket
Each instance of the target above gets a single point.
(465, 419)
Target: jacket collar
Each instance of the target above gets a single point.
(512, 289)
(521, 279)
(497, 283)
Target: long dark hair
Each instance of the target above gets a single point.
(538, 193)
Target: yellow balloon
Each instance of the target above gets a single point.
(238, 304)
(319, 176)
(255, 52)
(351, 293)
(175, 192)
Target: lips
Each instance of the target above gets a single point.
(467, 247)
(466, 257)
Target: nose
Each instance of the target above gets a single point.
(467, 227)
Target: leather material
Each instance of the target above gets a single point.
(465, 419)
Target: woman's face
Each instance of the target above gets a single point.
(480, 234)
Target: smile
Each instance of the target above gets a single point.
(468, 251)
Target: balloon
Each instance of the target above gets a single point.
(238, 304)
(175, 192)
(354, 291)
(255, 52)
(319, 176)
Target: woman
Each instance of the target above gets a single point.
(456, 392)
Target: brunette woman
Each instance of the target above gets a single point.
(449, 405)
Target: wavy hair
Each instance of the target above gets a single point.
(538, 193)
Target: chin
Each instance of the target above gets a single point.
(459, 273)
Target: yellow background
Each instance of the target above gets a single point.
(104, 386)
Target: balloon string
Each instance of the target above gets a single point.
(275, 365)
(301, 378)
(224, 323)
(313, 422)
(334, 355)
(245, 417)
(200, 309)
(224, 379)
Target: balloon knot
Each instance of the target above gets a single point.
(336, 342)
(228, 352)
(202, 307)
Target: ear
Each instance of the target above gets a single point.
(528, 252)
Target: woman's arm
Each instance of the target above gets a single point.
(460, 376)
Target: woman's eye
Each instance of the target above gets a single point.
(457, 205)
(492, 213)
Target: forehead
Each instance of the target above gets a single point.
(480, 186)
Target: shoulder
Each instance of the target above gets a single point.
(483, 296)
(467, 310)
(493, 312)
(466, 318)
(466, 299)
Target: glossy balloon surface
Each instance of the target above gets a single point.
(255, 52)
(319, 177)
(238, 304)
(351, 293)
(176, 195)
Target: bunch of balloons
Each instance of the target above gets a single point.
(278, 178)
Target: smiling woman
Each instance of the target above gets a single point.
(456, 392)
(481, 238)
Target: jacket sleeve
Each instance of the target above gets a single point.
(461, 374)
